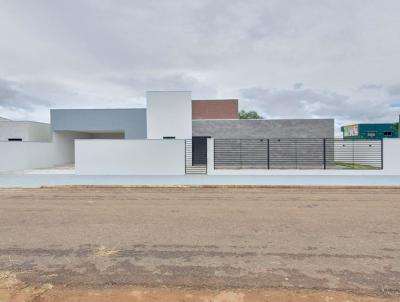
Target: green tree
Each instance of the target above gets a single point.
(249, 115)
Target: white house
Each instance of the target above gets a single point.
(175, 135)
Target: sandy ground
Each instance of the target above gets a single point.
(47, 293)
(199, 244)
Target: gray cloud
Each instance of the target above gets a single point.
(175, 81)
(370, 87)
(308, 103)
(89, 53)
(11, 97)
(394, 90)
(298, 85)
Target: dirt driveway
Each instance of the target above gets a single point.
(322, 244)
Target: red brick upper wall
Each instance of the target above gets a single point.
(215, 109)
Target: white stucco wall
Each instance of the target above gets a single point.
(39, 132)
(27, 131)
(16, 156)
(391, 156)
(169, 114)
(130, 157)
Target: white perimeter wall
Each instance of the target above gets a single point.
(130, 157)
(391, 156)
(27, 131)
(169, 114)
(16, 156)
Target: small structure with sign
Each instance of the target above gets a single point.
(371, 131)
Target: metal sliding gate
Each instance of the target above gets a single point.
(298, 154)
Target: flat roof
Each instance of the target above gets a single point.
(371, 124)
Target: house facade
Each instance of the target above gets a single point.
(176, 115)
(173, 135)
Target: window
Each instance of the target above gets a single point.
(371, 133)
(15, 139)
(387, 133)
(169, 137)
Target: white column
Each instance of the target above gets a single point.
(169, 114)
(210, 156)
(391, 156)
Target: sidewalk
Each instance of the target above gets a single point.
(39, 180)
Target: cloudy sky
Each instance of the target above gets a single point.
(283, 58)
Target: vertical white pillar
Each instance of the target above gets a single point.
(169, 114)
(391, 158)
(210, 156)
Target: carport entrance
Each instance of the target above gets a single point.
(66, 139)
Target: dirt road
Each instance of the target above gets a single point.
(210, 239)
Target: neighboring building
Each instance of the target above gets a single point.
(371, 131)
(24, 131)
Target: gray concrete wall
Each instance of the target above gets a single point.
(132, 122)
(290, 128)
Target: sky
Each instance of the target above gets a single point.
(283, 58)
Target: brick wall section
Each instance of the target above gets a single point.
(215, 109)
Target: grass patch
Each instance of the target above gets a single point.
(353, 166)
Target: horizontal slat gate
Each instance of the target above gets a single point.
(297, 154)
